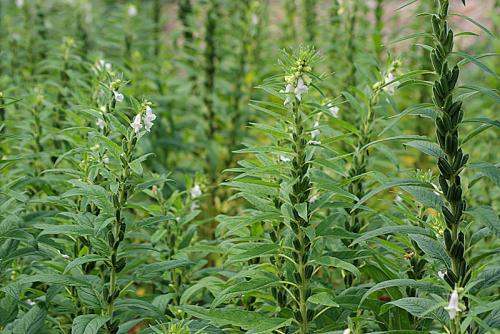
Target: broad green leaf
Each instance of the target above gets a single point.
(433, 248)
(417, 307)
(88, 324)
(257, 250)
(155, 270)
(330, 261)
(82, 260)
(487, 216)
(426, 147)
(31, 322)
(323, 298)
(400, 229)
(252, 322)
(241, 288)
(389, 185)
(402, 282)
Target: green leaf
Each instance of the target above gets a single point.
(402, 282)
(88, 324)
(400, 229)
(154, 270)
(389, 185)
(487, 169)
(330, 261)
(417, 307)
(433, 248)
(252, 322)
(82, 260)
(242, 288)
(31, 322)
(426, 147)
(425, 196)
(255, 251)
(476, 62)
(487, 216)
(323, 298)
(474, 22)
(78, 230)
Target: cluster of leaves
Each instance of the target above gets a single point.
(176, 178)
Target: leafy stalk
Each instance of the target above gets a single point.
(453, 161)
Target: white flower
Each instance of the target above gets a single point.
(105, 159)
(300, 89)
(288, 89)
(19, 3)
(103, 65)
(30, 302)
(453, 307)
(390, 88)
(195, 191)
(441, 273)
(136, 124)
(314, 142)
(149, 117)
(334, 110)
(64, 256)
(313, 198)
(346, 331)
(194, 206)
(315, 133)
(284, 158)
(255, 19)
(131, 10)
(398, 199)
(100, 123)
(118, 96)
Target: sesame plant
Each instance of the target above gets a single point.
(221, 166)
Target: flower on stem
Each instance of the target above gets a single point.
(288, 89)
(195, 191)
(118, 96)
(102, 65)
(19, 3)
(136, 124)
(300, 89)
(105, 159)
(132, 10)
(149, 117)
(453, 305)
(441, 274)
(334, 111)
(314, 142)
(284, 158)
(346, 331)
(391, 87)
(315, 132)
(100, 123)
(313, 198)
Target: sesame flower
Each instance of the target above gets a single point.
(64, 256)
(288, 89)
(300, 89)
(284, 158)
(334, 111)
(105, 159)
(195, 191)
(314, 142)
(132, 10)
(149, 117)
(30, 302)
(19, 3)
(315, 133)
(100, 123)
(453, 308)
(313, 198)
(118, 96)
(346, 331)
(441, 274)
(136, 124)
(390, 88)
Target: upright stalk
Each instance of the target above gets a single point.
(309, 7)
(379, 26)
(453, 160)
